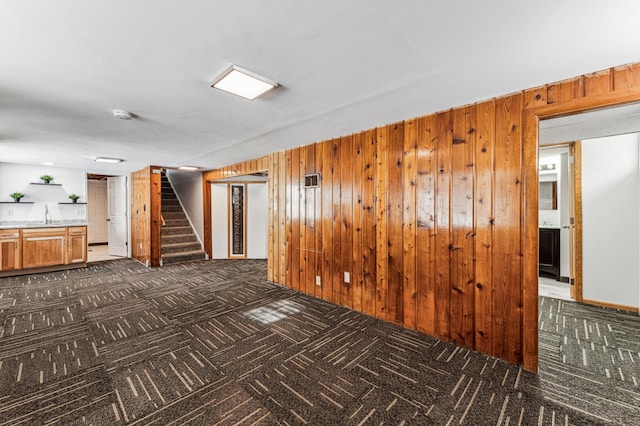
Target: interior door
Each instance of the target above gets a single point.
(117, 215)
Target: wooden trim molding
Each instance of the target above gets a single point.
(631, 309)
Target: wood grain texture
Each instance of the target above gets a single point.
(577, 214)
(435, 217)
(409, 181)
(443, 226)
(395, 269)
(426, 131)
(141, 215)
(462, 229)
(484, 219)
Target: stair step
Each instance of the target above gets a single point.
(182, 257)
(180, 248)
(176, 222)
(176, 230)
(171, 208)
(170, 202)
(178, 238)
(173, 215)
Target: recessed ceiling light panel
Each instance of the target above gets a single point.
(108, 160)
(241, 82)
(189, 168)
(48, 163)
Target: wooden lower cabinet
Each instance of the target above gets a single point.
(10, 253)
(43, 247)
(77, 245)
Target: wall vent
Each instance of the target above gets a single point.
(312, 180)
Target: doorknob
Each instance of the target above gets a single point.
(566, 226)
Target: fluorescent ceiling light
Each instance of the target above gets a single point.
(190, 168)
(243, 83)
(108, 160)
(48, 163)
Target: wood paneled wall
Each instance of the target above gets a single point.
(434, 218)
(146, 220)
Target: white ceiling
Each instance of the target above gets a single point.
(344, 66)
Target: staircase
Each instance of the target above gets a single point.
(178, 241)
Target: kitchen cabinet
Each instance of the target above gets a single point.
(43, 247)
(10, 250)
(77, 245)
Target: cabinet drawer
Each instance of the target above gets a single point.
(9, 233)
(77, 230)
(44, 232)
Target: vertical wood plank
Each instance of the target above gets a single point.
(289, 218)
(310, 232)
(272, 220)
(381, 192)
(507, 306)
(462, 234)
(357, 238)
(626, 76)
(295, 219)
(337, 226)
(395, 147)
(302, 195)
(409, 181)
(443, 230)
(156, 216)
(425, 218)
(327, 221)
(318, 221)
(346, 218)
(282, 206)
(206, 213)
(485, 140)
(598, 83)
(369, 224)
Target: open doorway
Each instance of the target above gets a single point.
(239, 217)
(107, 217)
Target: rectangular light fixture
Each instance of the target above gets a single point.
(189, 168)
(108, 160)
(243, 83)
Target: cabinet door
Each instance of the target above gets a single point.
(77, 248)
(9, 254)
(43, 247)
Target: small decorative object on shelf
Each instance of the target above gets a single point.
(46, 178)
(17, 196)
(74, 198)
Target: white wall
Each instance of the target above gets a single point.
(97, 230)
(257, 221)
(188, 188)
(18, 177)
(219, 222)
(611, 230)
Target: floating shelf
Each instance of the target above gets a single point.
(13, 202)
(45, 184)
(72, 203)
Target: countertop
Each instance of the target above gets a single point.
(38, 224)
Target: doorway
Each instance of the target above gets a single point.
(239, 218)
(557, 219)
(107, 217)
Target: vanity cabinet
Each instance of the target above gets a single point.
(43, 247)
(549, 253)
(10, 250)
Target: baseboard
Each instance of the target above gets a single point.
(564, 280)
(632, 309)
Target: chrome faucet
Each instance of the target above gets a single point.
(46, 214)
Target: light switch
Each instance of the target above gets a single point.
(347, 277)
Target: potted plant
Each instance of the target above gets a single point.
(17, 196)
(46, 178)
(74, 198)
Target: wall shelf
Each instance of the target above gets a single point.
(72, 203)
(45, 184)
(13, 202)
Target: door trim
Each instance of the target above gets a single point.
(531, 128)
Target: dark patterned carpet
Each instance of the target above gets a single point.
(213, 342)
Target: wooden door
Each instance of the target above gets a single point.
(77, 245)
